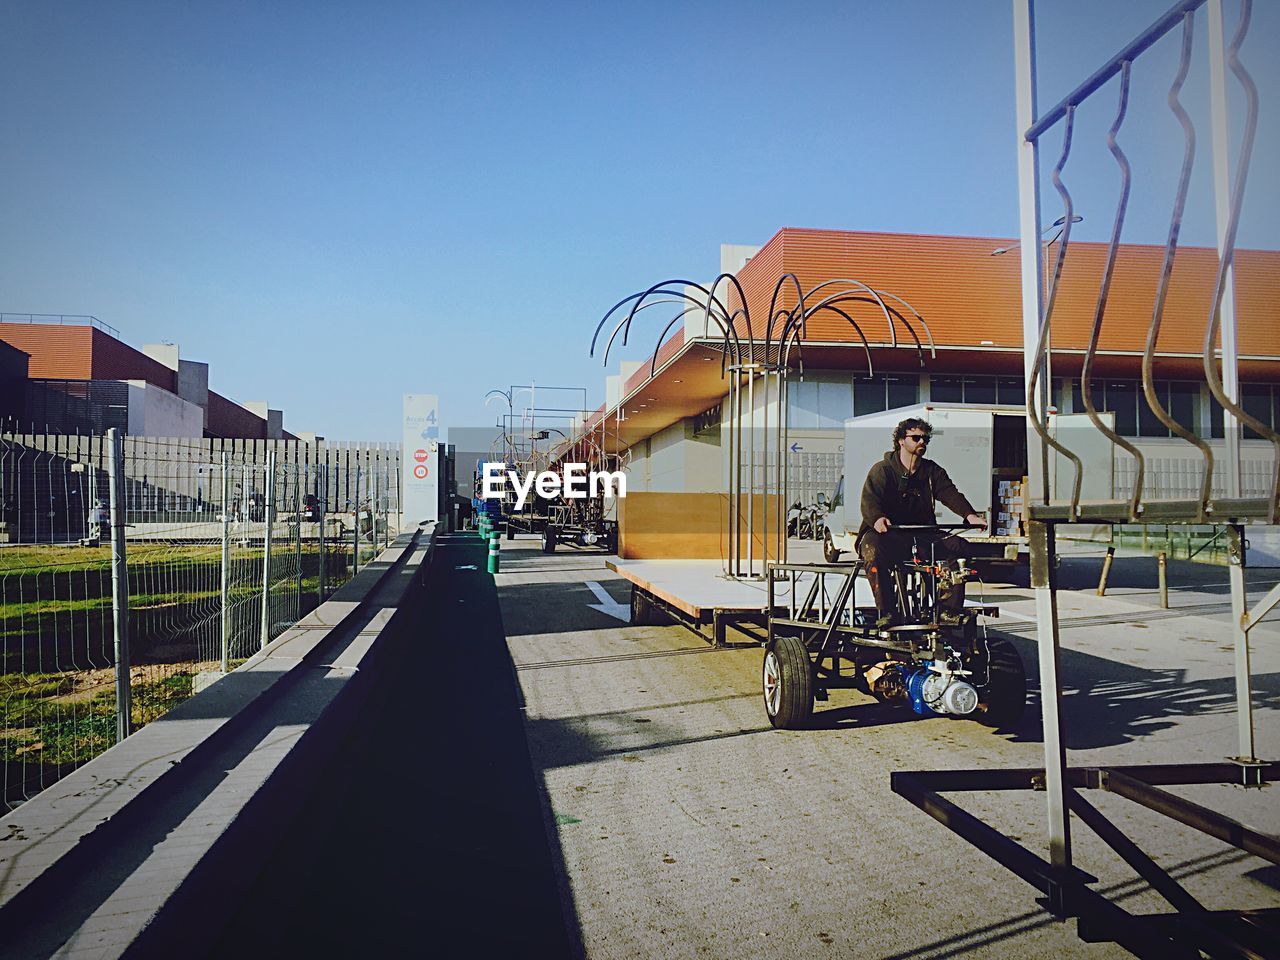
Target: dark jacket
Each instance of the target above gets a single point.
(908, 498)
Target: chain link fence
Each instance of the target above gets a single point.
(136, 571)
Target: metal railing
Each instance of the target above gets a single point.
(134, 574)
(61, 319)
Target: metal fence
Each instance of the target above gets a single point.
(136, 571)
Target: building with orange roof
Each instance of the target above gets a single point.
(963, 303)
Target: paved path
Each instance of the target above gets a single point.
(690, 828)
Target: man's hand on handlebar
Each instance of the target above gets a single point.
(882, 525)
(976, 520)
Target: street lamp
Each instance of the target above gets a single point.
(1061, 225)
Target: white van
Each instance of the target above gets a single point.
(984, 450)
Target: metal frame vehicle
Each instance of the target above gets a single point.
(939, 661)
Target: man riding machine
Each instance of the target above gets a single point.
(920, 645)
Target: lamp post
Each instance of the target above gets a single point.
(1061, 225)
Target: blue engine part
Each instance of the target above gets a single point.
(913, 681)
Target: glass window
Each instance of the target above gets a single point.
(946, 390)
(980, 390)
(903, 391)
(802, 404)
(1215, 417)
(1183, 403)
(1011, 390)
(1122, 397)
(1149, 425)
(868, 395)
(1256, 400)
(835, 404)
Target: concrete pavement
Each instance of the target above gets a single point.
(689, 827)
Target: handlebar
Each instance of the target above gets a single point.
(935, 526)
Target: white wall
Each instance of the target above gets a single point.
(155, 412)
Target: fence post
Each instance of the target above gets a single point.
(322, 501)
(267, 515)
(297, 516)
(373, 516)
(226, 560)
(119, 583)
(355, 526)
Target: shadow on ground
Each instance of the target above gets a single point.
(427, 836)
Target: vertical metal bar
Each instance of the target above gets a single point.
(1044, 580)
(1029, 222)
(751, 470)
(355, 525)
(1106, 567)
(264, 630)
(322, 502)
(373, 508)
(119, 583)
(735, 471)
(226, 560)
(1162, 568)
(297, 512)
(1222, 209)
(1240, 634)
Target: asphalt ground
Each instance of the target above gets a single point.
(687, 827)
(425, 835)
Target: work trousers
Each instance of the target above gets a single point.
(881, 552)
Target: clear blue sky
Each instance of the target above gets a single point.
(336, 204)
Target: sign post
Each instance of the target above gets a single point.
(421, 459)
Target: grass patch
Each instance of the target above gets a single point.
(71, 718)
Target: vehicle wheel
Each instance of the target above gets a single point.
(788, 684)
(1006, 695)
(549, 539)
(829, 551)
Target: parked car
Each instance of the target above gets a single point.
(310, 511)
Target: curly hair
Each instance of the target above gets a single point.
(907, 425)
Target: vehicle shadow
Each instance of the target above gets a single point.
(1107, 703)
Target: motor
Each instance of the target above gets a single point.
(935, 687)
(932, 687)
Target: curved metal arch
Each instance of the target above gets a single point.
(744, 312)
(933, 350)
(866, 346)
(846, 296)
(638, 296)
(1166, 270)
(1104, 289)
(851, 297)
(773, 303)
(795, 334)
(730, 333)
(653, 366)
(1229, 245)
(893, 333)
(1032, 414)
(785, 315)
(673, 297)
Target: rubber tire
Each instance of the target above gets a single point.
(795, 683)
(1006, 694)
(549, 534)
(829, 551)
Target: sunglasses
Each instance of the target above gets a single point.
(918, 437)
